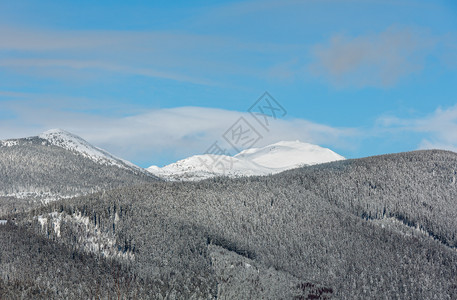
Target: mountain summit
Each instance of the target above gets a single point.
(71, 142)
(289, 154)
(271, 159)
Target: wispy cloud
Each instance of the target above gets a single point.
(179, 56)
(438, 130)
(150, 54)
(377, 60)
(27, 65)
(12, 94)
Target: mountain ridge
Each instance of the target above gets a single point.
(57, 165)
(64, 139)
(271, 159)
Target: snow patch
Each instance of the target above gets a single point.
(43, 221)
(9, 143)
(44, 197)
(91, 237)
(398, 226)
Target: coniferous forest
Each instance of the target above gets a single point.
(381, 227)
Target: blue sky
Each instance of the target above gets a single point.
(157, 81)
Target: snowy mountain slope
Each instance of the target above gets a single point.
(58, 165)
(71, 142)
(271, 159)
(205, 166)
(289, 154)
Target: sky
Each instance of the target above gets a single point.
(157, 81)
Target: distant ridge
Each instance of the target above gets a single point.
(267, 160)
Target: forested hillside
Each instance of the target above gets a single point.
(418, 189)
(374, 228)
(33, 171)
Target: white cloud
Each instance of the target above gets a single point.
(179, 132)
(438, 130)
(441, 127)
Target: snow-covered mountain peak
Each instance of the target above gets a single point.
(271, 159)
(289, 154)
(69, 141)
(65, 139)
